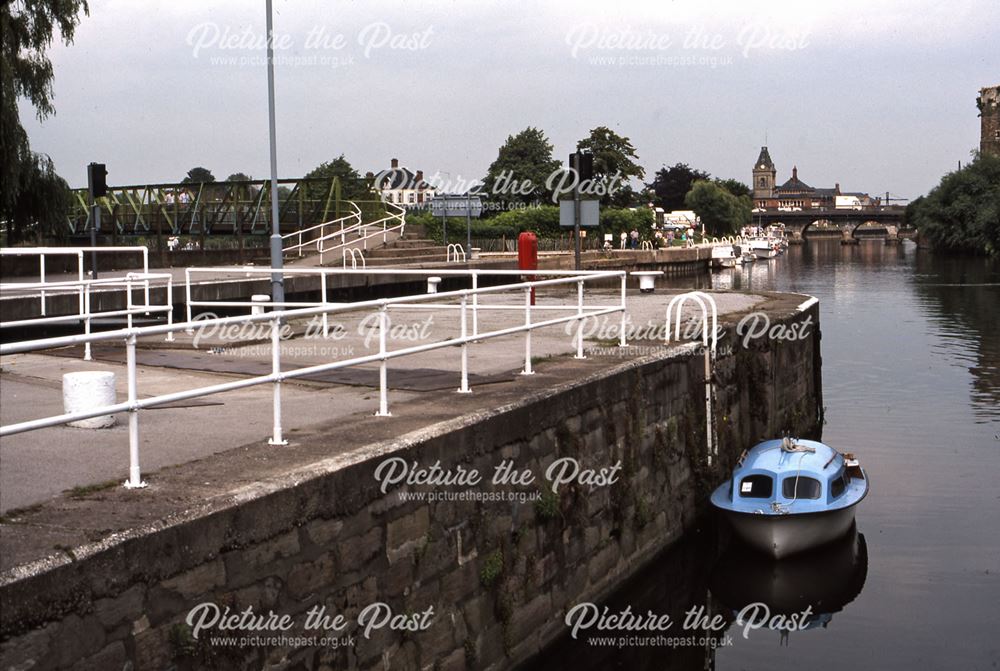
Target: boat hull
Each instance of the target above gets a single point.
(725, 262)
(765, 253)
(784, 535)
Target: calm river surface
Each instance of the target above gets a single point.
(911, 382)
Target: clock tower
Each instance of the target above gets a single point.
(763, 176)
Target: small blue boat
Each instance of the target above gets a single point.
(789, 495)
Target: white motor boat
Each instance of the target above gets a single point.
(723, 256)
(763, 248)
(786, 496)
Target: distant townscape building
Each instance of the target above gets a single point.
(989, 113)
(795, 194)
(404, 187)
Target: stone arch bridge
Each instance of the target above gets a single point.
(886, 222)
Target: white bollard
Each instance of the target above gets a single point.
(475, 252)
(259, 298)
(86, 390)
(647, 280)
(432, 284)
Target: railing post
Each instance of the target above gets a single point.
(145, 270)
(322, 293)
(134, 474)
(527, 333)
(79, 272)
(85, 289)
(128, 299)
(475, 303)
(170, 307)
(276, 438)
(621, 336)
(187, 297)
(383, 389)
(41, 273)
(464, 389)
(579, 322)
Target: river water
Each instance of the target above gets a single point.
(911, 383)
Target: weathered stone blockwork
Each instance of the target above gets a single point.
(499, 575)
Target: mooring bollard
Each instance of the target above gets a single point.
(259, 298)
(87, 390)
(432, 284)
(647, 280)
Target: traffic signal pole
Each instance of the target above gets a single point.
(97, 187)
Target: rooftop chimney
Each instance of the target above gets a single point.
(395, 163)
(795, 172)
(420, 177)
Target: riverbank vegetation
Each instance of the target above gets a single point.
(962, 213)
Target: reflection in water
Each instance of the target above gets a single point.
(823, 580)
(670, 585)
(962, 297)
(911, 351)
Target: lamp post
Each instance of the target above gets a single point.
(277, 282)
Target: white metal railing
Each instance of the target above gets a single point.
(322, 274)
(709, 341)
(86, 314)
(646, 246)
(129, 337)
(78, 252)
(343, 231)
(355, 254)
(455, 254)
(398, 220)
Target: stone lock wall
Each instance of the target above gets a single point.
(498, 574)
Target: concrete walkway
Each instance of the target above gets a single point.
(38, 465)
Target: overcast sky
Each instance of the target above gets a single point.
(874, 95)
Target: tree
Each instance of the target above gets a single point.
(352, 186)
(42, 202)
(962, 213)
(721, 212)
(238, 177)
(198, 175)
(26, 72)
(613, 160)
(671, 185)
(735, 187)
(523, 166)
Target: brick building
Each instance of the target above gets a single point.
(989, 113)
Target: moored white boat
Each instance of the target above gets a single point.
(786, 496)
(763, 248)
(723, 256)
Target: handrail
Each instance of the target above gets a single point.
(277, 375)
(356, 214)
(355, 254)
(86, 315)
(454, 252)
(704, 301)
(399, 216)
(78, 252)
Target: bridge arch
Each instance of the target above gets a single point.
(822, 223)
(863, 222)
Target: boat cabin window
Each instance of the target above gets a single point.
(757, 486)
(801, 487)
(838, 485)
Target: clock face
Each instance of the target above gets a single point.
(762, 166)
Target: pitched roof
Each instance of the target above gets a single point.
(764, 160)
(795, 184)
(399, 178)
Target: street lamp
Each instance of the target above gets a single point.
(277, 282)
